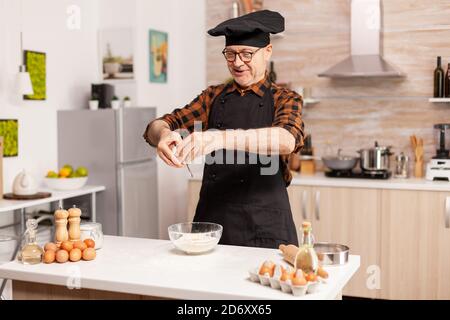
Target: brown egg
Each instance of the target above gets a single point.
(80, 245)
(90, 243)
(75, 255)
(67, 245)
(311, 277)
(89, 254)
(51, 246)
(49, 256)
(62, 256)
(286, 276)
(322, 273)
(299, 281)
(263, 270)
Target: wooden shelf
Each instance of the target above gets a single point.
(310, 101)
(439, 100)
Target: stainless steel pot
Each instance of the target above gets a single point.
(375, 159)
(340, 162)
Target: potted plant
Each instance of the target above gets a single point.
(112, 64)
(115, 103)
(127, 102)
(93, 103)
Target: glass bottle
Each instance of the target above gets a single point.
(31, 252)
(439, 80)
(272, 73)
(307, 259)
(447, 82)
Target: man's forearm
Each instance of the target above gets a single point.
(155, 130)
(267, 141)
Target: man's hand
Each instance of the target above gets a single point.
(167, 142)
(199, 144)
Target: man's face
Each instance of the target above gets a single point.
(248, 73)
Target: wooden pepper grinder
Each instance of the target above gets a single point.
(74, 224)
(61, 233)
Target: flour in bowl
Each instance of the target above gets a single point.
(196, 242)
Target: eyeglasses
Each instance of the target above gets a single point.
(245, 56)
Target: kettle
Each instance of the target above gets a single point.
(24, 184)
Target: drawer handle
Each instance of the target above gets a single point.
(317, 206)
(447, 212)
(304, 205)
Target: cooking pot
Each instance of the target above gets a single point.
(340, 162)
(376, 158)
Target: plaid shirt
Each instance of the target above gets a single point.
(287, 114)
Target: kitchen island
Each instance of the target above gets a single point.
(134, 268)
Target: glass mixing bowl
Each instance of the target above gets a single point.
(195, 237)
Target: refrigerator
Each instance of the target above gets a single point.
(109, 143)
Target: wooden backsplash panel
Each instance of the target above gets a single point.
(352, 124)
(415, 14)
(355, 112)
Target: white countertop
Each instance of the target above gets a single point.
(10, 205)
(156, 268)
(319, 179)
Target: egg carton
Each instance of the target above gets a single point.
(285, 286)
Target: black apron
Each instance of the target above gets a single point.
(253, 209)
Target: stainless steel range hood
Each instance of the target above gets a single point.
(366, 59)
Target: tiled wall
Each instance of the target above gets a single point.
(353, 113)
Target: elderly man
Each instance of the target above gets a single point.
(240, 125)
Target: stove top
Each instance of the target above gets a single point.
(383, 174)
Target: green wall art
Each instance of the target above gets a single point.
(35, 63)
(9, 130)
(158, 46)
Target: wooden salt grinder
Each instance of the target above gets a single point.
(74, 224)
(61, 226)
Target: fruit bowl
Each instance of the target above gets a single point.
(195, 237)
(65, 183)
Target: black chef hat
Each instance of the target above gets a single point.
(252, 29)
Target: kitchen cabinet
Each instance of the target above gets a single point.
(402, 236)
(349, 216)
(415, 240)
(301, 206)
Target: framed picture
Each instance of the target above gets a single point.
(9, 130)
(35, 63)
(116, 54)
(158, 48)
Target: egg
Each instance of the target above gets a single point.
(51, 246)
(285, 276)
(89, 243)
(79, 245)
(62, 256)
(264, 270)
(311, 277)
(75, 255)
(269, 264)
(299, 281)
(67, 245)
(49, 256)
(89, 254)
(322, 273)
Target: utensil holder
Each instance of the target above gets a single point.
(418, 169)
